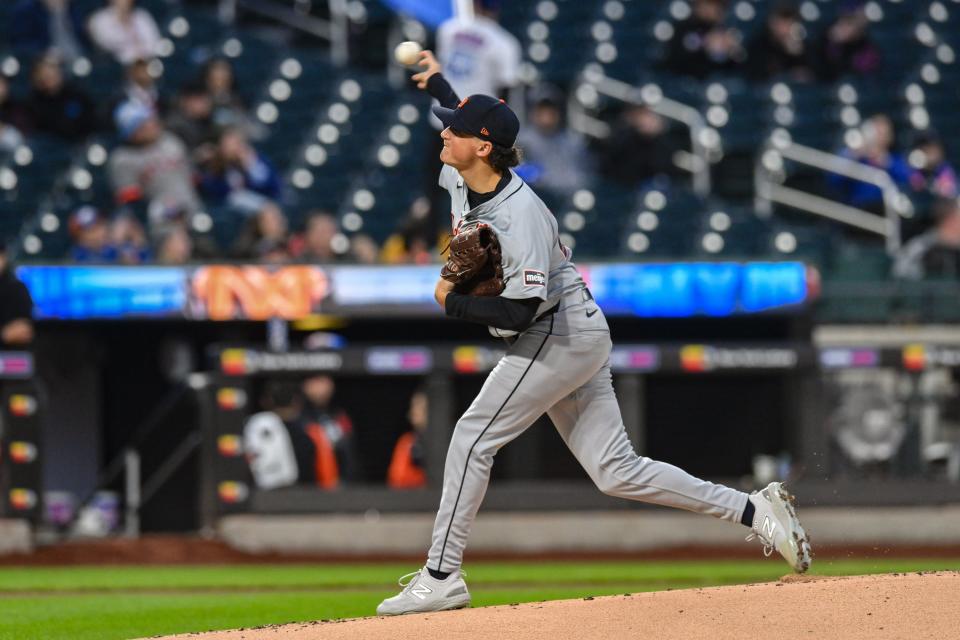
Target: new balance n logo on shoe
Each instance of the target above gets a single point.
(768, 527)
(421, 591)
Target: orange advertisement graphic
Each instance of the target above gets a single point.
(22, 405)
(466, 359)
(232, 492)
(22, 452)
(230, 398)
(914, 357)
(23, 499)
(257, 293)
(693, 357)
(229, 445)
(233, 362)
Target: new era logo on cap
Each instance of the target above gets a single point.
(483, 116)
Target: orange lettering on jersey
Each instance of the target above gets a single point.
(463, 102)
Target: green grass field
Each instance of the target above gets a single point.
(102, 603)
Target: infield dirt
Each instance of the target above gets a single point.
(914, 606)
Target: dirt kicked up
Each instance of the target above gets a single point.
(898, 605)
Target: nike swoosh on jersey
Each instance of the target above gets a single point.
(590, 313)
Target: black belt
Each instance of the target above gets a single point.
(552, 310)
(549, 312)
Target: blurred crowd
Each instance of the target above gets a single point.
(181, 155)
(703, 45)
(177, 155)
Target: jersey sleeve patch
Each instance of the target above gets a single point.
(532, 277)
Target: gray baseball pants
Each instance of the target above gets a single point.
(559, 366)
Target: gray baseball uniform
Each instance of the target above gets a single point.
(558, 366)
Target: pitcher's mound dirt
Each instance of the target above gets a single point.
(914, 606)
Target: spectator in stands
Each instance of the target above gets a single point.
(413, 242)
(328, 425)
(875, 150)
(13, 118)
(315, 244)
(702, 45)
(637, 149)
(274, 252)
(40, 26)
(90, 233)
(130, 239)
(174, 245)
(936, 253)
(192, 121)
(58, 107)
(555, 158)
(407, 468)
(151, 165)
(781, 48)
(229, 108)
(364, 249)
(141, 86)
(238, 176)
(846, 47)
(125, 31)
(931, 172)
(479, 56)
(16, 306)
(263, 235)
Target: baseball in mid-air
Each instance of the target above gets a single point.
(407, 52)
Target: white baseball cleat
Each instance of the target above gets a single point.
(423, 593)
(776, 525)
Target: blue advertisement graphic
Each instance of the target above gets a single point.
(667, 290)
(75, 292)
(678, 290)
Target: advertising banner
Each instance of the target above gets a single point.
(292, 292)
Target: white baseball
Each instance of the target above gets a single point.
(407, 53)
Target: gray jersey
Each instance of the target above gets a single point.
(535, 262)
(560, 366)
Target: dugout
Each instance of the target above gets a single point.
(21, 448)
(685, 392)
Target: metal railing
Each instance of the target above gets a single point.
(296, 16)
(704, 140)
(769, 173)
(127, 463)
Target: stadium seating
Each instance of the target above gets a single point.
(348, 142)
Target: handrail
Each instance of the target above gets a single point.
(768, 190)
(123, 462)
(335, 31)
(651, 97)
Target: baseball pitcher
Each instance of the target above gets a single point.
(508, 270)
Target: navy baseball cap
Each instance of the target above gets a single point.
(484, 117)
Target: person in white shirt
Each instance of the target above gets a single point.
(127, 32)
(478, 56)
